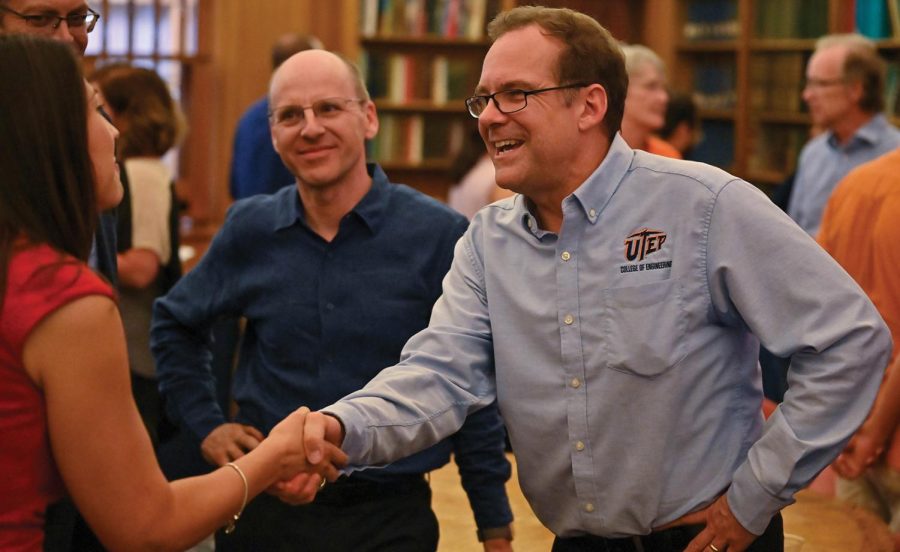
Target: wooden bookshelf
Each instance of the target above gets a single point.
(419, 72)
(421, 60)
(716, 114)
(759, 137)
(706, 46)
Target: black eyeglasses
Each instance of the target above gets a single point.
(511, 101)
(53, 21)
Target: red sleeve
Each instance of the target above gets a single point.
(39, 281)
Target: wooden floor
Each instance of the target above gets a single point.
(458, 526)
(818, 519)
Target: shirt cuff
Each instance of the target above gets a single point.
(354, 441)
(495, 533)
(750, 503)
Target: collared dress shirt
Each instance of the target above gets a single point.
(623, 351)
(322, 319)
(823, 163)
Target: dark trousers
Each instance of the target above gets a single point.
(675, 539)
(349, 515)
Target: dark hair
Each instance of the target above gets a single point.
(291, 43)
(590, 53)
(681, 108)
(869, 69)
(149, 119)
(47, 194)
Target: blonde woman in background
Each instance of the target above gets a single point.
(646, 102)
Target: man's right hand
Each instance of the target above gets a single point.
(228, 442)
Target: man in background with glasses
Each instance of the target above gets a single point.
(333, 275)
(68, 21)
(614, 309)
(844, 91)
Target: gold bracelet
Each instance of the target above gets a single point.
(229, 529)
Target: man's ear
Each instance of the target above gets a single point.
(594, 107)
(855, 88)
(371, 120)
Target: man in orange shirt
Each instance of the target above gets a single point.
(861, 231)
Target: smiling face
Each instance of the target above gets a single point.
(529, 147)
(102, 150)
(321, 151)
(647, 99)
(76, 37)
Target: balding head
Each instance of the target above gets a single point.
(315, 69)
(320, 122)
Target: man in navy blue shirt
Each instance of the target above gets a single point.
(333, 277)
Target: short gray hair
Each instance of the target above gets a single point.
(638, 55)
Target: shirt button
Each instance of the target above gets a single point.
(569, 320)
(329, 306)
(589, 507)
(531, 224)
(592, 213)
(566, 255)
(575, 383)
(579, 446)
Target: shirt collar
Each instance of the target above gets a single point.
(870, 133)
(594, 193)
(370, 210)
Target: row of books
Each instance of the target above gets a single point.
(416, 139)
(892, 92)
(776, 82)
(878, 19)
(400, 78)
(711, 20)
(714, 84)
(716, 145)
(417, 18)
(776, 148)
(792, 18)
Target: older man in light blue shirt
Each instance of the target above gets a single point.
(845, 94)
(615, 308)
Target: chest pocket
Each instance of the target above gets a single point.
(645, 327)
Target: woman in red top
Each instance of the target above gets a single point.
(67, 419)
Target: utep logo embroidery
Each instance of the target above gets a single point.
(642, 243)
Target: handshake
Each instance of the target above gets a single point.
(305, 447)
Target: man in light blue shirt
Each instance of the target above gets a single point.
(845, 94)
(614, 307)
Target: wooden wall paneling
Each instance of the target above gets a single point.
(659, 33)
